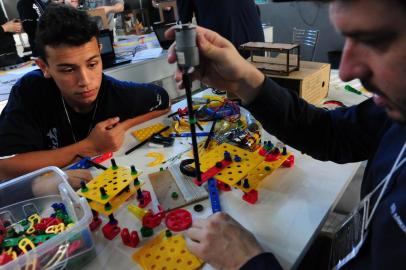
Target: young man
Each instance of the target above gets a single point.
(375, 130)
(69, 107)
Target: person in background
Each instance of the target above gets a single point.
(8, 50)
(73, 3)
(110, 7)
(237, 21)
(374, 130)
(168, 12)
(131, 23)
(70, 107)
(30, 11)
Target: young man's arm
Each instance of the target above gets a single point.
(143, 118)
(116, 8)
(10, 27)
(107, 136)
(343, 135)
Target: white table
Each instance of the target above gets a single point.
(293, 204)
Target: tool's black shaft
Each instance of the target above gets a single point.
(94, 164)
(187, 83)
(129, 151)
(206, 144)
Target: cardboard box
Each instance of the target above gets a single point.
(311, 81)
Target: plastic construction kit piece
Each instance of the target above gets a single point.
(25, 245)
(164, 252)
(137, 211)
(214, 195)
(75, 246)
(274, 155)
(198, 208)
(178, 220)
(159, 158)
(265, 168)
(96, 222)
(81, 164)
(289, 162)
(252, 165)
(55, 229)
(113, 164)
(147, 232)
(151, 220)
(3, 232)
(251, 197)
(235, 171)
(223, 186)
(103, 157)
(5, 258)
(145, 133)
(130, 240)
(174, 195)
(109, 190)
(33, 219)
(218, 167)
(23, 236)
(110, 231)
(145, 199)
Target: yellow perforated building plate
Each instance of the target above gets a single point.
(113, 182)
(116, 202)
(252, 166)
(236, 170)
(256, 175)
(166, 253)
(145, 133)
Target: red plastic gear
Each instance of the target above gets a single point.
(178, 220)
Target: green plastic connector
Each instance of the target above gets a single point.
(107, 207)
(146, 232)
(174, 195)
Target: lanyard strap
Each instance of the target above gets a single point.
(385, 182)
(70, 123)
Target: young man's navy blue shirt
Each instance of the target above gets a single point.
(357, 133)
(35, 119)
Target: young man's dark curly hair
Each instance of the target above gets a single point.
(64, 25)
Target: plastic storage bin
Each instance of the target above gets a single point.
(35, 193)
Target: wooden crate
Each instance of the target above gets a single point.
(311, 82)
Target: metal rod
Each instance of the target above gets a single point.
(187, 82)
